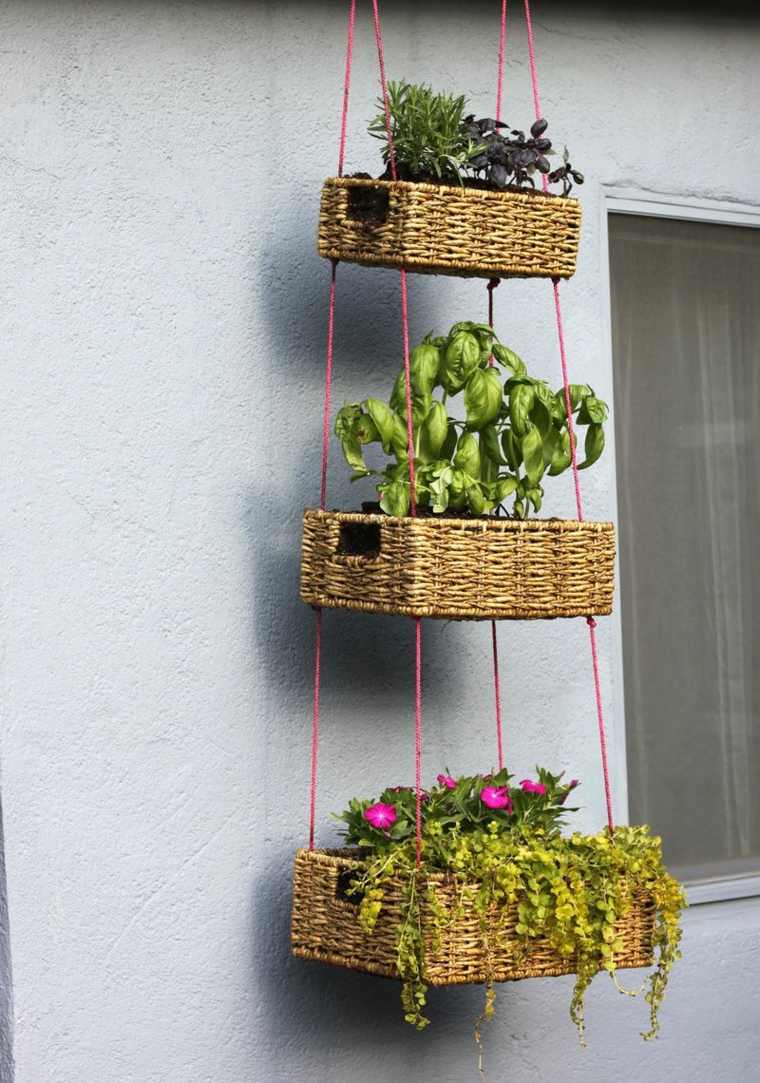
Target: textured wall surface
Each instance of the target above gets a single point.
(163, 322)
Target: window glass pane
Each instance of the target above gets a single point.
(686, 329)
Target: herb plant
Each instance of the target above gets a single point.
(513, 434)
(428, 132)
(434, 140)
(505, 840)
(505, 157)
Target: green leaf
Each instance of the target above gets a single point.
(541, 417)
(592, 411)
(489, 445)
(561, 455)
(594, 445)
(457, 494)
(578, 393)
(383, 420)
(511, 447)
(467, 455)
(433, 432)
(352, 453)
(439, 488)
(460, 358)
(503, 488)
(345, 419)
(400, 438)
(521, 399)
(424, 361)
(395, 498)
(533, 455)
(509, 359)
(535, 496)
(482, 398)
(475, 499)
(450, 443)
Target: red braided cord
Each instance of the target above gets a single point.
(346, 85)
(568, 400)
(491, 286)
(502, 47)
(418, 735)
(315, 726)
(410, 448)
(574, 461)
(326, 438)
(328, 386)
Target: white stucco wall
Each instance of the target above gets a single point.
(163, 319)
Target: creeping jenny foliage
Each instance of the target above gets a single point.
(514, 431)
(570, 890)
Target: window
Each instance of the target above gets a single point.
(685, 303)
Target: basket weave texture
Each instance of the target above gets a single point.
(438, 229)
(460, 569)
(325, 927)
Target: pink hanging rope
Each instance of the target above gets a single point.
(410, 448)
(502, 49)
(346, 86)
(573, 455)
(491, 286)
(326, 437)
(315, 726)
(328, 386)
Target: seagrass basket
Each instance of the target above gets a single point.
(458, 951)
(457, 569)
(440, 229)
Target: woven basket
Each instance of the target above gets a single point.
(325, 927)
(458, 569)
(437, 229)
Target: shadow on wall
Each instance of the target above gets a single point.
(339, 1007)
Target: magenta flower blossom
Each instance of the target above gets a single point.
(447, 781)
(496, 797)
(381, 816)
(529, 786)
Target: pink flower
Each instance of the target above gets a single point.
(533, 787)
(496, 797)
(381, 816)
(447, 781)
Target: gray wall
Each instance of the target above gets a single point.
(163, 320)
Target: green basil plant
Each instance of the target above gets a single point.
(514, 432)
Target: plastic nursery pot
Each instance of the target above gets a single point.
(457, 569)
(457, 948)
(441, 229)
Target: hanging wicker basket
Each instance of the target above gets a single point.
(437, 229)
(457, 950)
(457, 569)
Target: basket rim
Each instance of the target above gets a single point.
(424, 186)
(347, 856)
(476, 525)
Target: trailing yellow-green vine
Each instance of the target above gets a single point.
(505, 844)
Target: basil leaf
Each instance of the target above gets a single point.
(533, 455)
(482, 398)
(594, 445)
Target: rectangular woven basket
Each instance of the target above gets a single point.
(438, 229)
(458, 569)
(325, 927)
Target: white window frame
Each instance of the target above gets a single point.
(632, 201)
